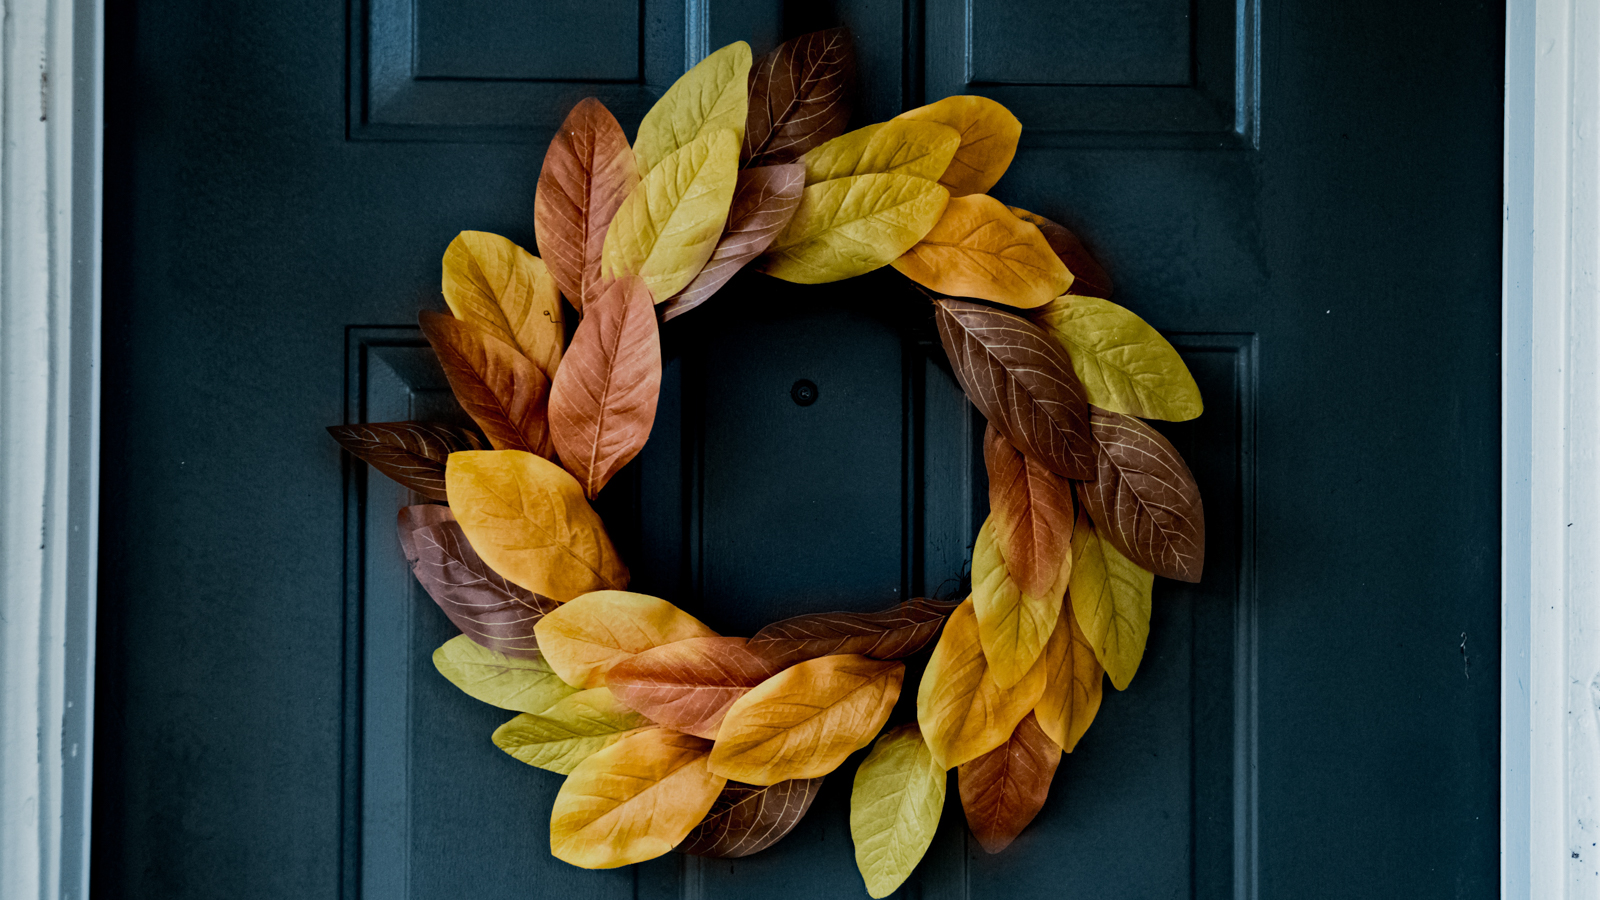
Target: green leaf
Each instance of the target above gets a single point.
(894, 808)
(1111, 598)
(897, 147)
(525, 684)
(1124, 364)
(570, 731)
(710, 96)
(850, 226)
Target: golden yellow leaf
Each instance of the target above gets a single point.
(897, 147)
(525, 684)
(584, 638)
(804, 721)
(527, 518)
(710, 96)
(1013, 625)
(895, 805)
(507, 291)
(1111, 600)
(964, 713)
(634, 800)
(668, 226)
(1072, 684)
(850, 226)
(989, 134)
(1125, 365)
(980, 249)
(569, 731)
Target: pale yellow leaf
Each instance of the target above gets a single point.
(895, 805)
(712, 95)
(1125, 365)
(850, 226)
(963, 712)
(896, 147)
(525, 684)
(1111, 599)
(1013, 625)
(584, 638)
(569, 731)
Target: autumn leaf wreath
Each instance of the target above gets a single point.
(671, 736)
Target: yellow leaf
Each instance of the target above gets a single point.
(1072, 684)
(980, 249)
(508, 292)
(668, 226)
(584, 638)
(964, 713)
(1013, 625)
(710, 96)
(525, 684)
(850, 226)
(989, 134)
(1111, 599)
(1125, 365)
(634, 800)
(897, 147)
(895, 805)
(804, 721)
(570, 731)
(529, 521)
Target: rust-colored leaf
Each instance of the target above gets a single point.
(689, 684)
(800, 97)
(603, 400)
(1002, 790)
(1073, 683)
(503, 391)
(893, 633)
(1023, 383)
(411, 453)
(1031, 508)
(763, 201)
(587, 173)
(980, 249)
(486, 607)
(1090, 279)
(749, 818)
(963, 711)
(1144, 500)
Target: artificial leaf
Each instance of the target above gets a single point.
(804, 721)
(896, 147)
(1125, 365)
(587, 636)
(525, 684)
(568, 731)
(964, 713)
(603, 401)
(1031, 508)
(503, 391)
(710, 97)
(989, 135)
(749, 818)
(764, 200)
(850, 226)
(1013, 624)
(895, 805)
(1022, 382)
(588, 171)
(1143, 499)
(487, 608)
(529, 521)
(799, 96)
(668, 227)
(979, 249)
(411, 453)
(507, 291)
(1072, 684)
(893, 633)
(1089, 277)
(689, 684)
(1111, 600)
(634, 800)
(1002, 790)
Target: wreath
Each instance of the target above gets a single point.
(672, 736)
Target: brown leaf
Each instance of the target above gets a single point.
(603, 400)
(1002, 790)
(689, 685)
(1022, 381)
(503, 391)
(800, 96)
(1144, 500)
(587, 173)
(763, 202)
(1090, 279)
(487, 608)
(749, 818)
(411, 453)
(893, 633)
(1031, 508)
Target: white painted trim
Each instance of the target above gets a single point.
(1550, 689)
(51, 60)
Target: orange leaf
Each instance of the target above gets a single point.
(1073, 683)
(587, 173)
(979, 249)
(689, 684)
(963, 712)
(1031, 508)
(1002, 790)
(585, 637)
(989, 135)
(1089, 278)
(503, 391)
(493, 284)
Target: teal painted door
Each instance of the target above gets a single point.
(1304, 195)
